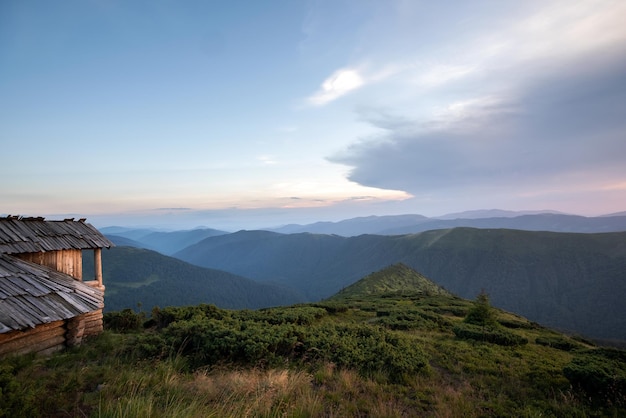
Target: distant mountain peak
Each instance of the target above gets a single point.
(495, 213)
(397, 278)
(614, 214)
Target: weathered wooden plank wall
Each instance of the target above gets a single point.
(66, 261)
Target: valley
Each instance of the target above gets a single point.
(573, 282)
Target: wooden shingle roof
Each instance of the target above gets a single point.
(32, 295)
(31, 235)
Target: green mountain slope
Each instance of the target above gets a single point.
(135, 276)
(360, 355)
(572, 281)
(396, 279)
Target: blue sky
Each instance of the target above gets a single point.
(246, 114)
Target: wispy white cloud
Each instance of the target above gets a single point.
(338, 84)
(565, 28)
(437, 75)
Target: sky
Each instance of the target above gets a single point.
(248, 114)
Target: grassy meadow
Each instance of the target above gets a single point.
(363, 353)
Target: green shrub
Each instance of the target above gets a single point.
(370, 350)
(208, 341)
(481, 313)
(517, 324)
(493, 335)
(276, 336)
(559, 343)
(163, 317)
(332, 307)
(411, 319)
(124, 321)
(600, 374)
(300, 315)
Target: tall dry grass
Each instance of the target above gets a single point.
(327, 392)
(257, 393)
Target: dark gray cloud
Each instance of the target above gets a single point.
(557, 126)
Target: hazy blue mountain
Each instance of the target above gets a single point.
(540, 222)
(493, 213)
(355, 226)
(165, 242)
(134, 276)
(571, 281)
(125, 242)
(411, 224)
(616, 214)
(131, 233)
(170, 242)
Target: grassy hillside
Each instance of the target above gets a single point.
(398, 279)
(357, 355)
(575, 282)
(137, 277)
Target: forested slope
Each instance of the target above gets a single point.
(138, 278)
(572, 281)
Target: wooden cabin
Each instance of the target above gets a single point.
(45, 305)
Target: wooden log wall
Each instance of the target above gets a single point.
(44, 339)
(75, 331)
(93, 323)
(48, 338)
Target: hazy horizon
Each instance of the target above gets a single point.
(231, 222)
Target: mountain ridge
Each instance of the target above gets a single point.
(410, 224)
(165, 242)
(137, 277)
(570, 281)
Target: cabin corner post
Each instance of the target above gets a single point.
(97, 262)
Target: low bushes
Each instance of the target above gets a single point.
(481, 324)
(493, 335)
(411, 319)
(559, 343)
(207, 336)
(368, 349)
(124, 321)
(601, 374)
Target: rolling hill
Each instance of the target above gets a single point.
(571, 281)
(139, 278)
(394, 345)
(396, 279)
